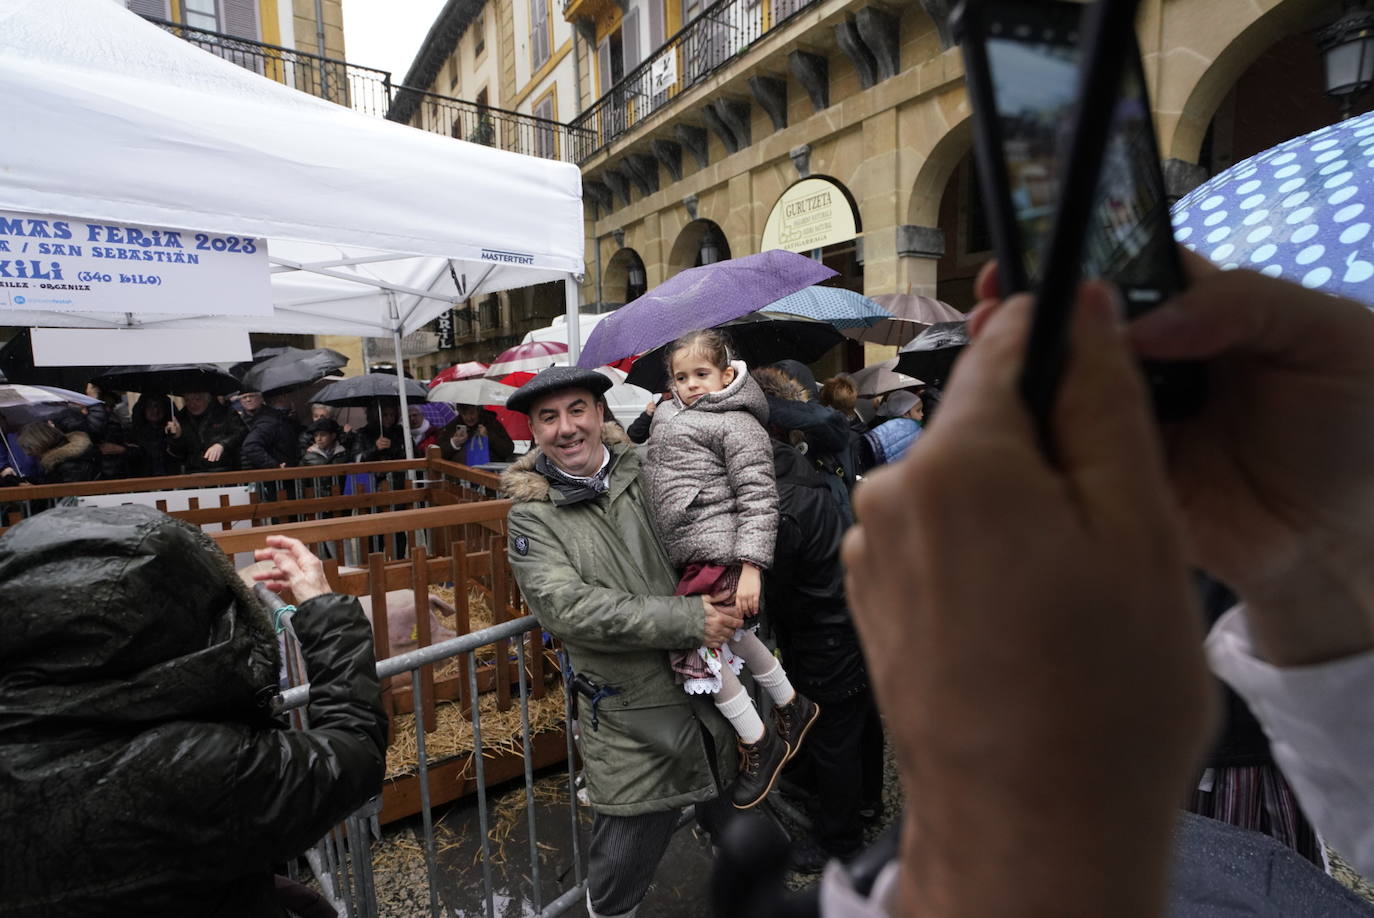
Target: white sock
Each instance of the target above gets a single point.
(776, 681)
(596, 914)
(739, 710)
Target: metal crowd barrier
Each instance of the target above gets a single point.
(345, 877)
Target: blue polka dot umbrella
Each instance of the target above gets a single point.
(1303, 210)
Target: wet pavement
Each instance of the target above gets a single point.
(680, 884)
(399, 865)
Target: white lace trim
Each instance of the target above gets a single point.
(711, 684)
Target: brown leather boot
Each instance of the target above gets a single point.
(794, 720)
(759, 765)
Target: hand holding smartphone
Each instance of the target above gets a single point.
(1070, 174)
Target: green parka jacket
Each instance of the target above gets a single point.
(596, 577)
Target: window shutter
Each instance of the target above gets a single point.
(240, 18)
(629, 38)
(539, 31)
(603, 65)
(157, 8)
(656, 35)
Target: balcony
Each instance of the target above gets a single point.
(573, 10)
(722, 32)
(494, 127)
(361, 88)
(372, 92)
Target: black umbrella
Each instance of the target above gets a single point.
(366, 390)
(292, 369)
(174, 378)
(930, 355)
(756, 338)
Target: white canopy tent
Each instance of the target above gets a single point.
(372, 228)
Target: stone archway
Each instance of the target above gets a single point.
(624, 278)
(931, 253)
(700, 242)
(939, 163)
(1207, 47)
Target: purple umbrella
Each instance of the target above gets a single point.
(699, 298)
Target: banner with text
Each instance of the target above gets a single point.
(67, 265)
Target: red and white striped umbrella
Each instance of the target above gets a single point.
(472, 369)
(528, 358)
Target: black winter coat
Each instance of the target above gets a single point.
(365, 442)
(141, 772)
(273, 439)
(75, 459)
(148, 448)
(216, 425)
(804, 589)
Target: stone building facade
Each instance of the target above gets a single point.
(870, 98)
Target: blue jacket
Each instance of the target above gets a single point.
(891, 439)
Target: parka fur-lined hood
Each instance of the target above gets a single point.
(522, 483)
(77, 444)
(777, 384)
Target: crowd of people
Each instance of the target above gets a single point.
(1029, 626)
(113, 439)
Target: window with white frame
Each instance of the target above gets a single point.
(201, 14)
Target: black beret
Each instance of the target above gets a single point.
(553, 380)
(325, 425)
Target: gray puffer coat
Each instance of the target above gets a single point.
(710, 476)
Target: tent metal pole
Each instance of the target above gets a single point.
(572, 324)
(400, 371)
(363, 281)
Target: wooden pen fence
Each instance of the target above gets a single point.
(428, 542)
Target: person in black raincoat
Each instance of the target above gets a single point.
(825, 430)
(804, 594)
(206, 435)
(273, 435)
(382, 438)
(141, 769)
(148, 440)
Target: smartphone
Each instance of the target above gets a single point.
(1065, 150)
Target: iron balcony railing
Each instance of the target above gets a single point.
(721, 33)
(372, 92)
(495, 127)
(362, 89)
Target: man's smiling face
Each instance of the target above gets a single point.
(567, 426)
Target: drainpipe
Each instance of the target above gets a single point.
(600, 296)
(321, 48)
(577, 78)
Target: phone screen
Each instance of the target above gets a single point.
(1033, 70)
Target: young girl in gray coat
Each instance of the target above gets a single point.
(715, 507)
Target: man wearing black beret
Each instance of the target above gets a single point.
(588, 563)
